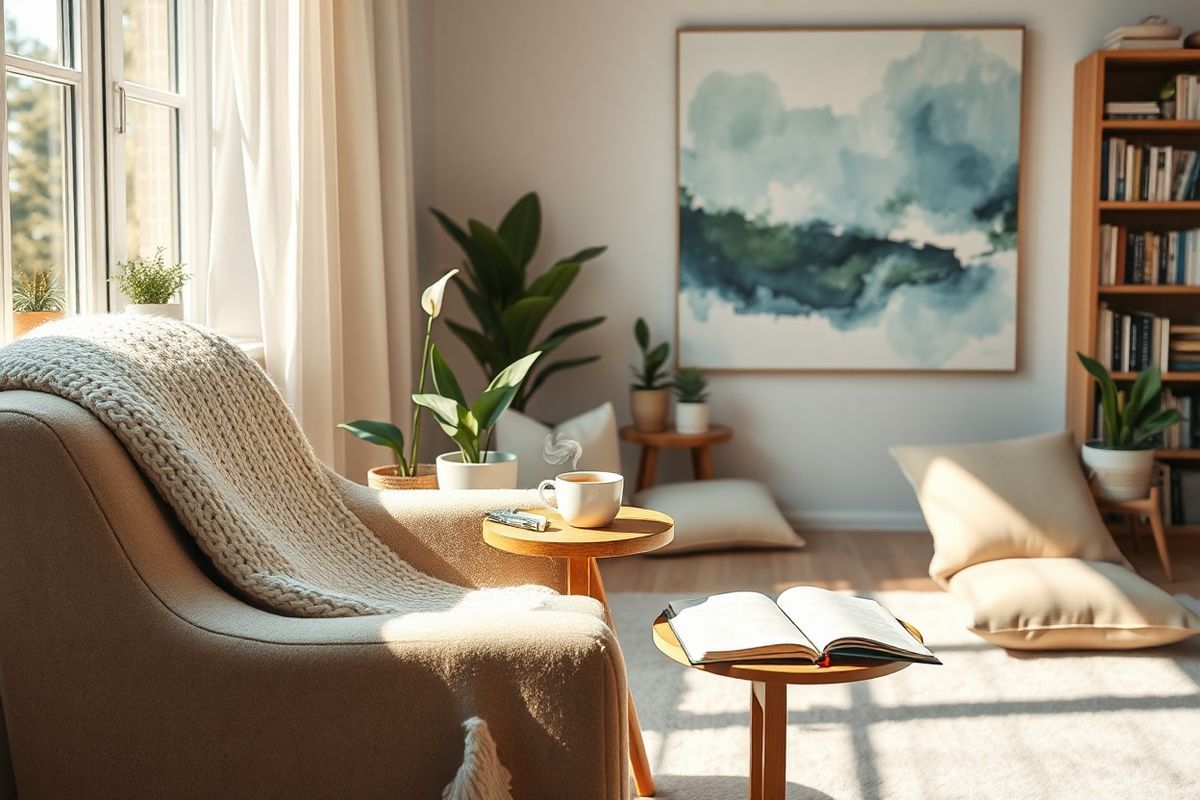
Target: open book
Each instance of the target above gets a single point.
(805, 624)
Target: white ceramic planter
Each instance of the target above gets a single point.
(649, 408)
(172, 310)
(1119, 474)
(499, 471)
(691, 417)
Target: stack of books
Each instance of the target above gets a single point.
(1168, 258)
(1138, 109)
(1187, 97)
(1134, 341)
(1131, 171)
(1184, 351)
(1153, 33)
(1185, 434)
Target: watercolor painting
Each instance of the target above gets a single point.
(848, 199)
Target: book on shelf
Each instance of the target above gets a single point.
(1187, 97)
(1134, 110)
(1184, 349)
(1184, 435)
(805, 624)
(1132, 171)
(1181, 494)
(1168, 258)
(1122, 43)
(1133, 341)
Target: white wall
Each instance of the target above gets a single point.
(576, 100)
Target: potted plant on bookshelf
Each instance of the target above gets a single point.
(649, 397)
(1121, 462)
(406, 473)
(36, 299)
(475, 465)
(151, 285)
(691, 401)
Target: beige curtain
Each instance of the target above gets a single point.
(312, 243)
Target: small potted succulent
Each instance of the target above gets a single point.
(475, 465)
(1121, 462)
(406, 473)
(649, 396)
(151, 285)
(36, 299)
(691, 401)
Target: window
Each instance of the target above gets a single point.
(95, 155)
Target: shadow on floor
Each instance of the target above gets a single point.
(720, 787)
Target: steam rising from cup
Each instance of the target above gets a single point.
(557, 449)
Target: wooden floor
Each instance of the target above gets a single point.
(858, 561)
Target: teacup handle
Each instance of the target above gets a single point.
(541, 490)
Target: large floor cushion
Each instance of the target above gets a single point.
(1069, 604)
(721, 514)
(1020, 498)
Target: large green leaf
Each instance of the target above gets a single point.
(443, 377)
(491, 405)
(521, 320)
(483, 310)
(501, 264)
(445, 411)
(656, 358)
(462, 238)
(586, 254)
(555, 281)
(1144, 396)
(556, 367)
(1108, 398)
(484, 349)
(1155, 424)
(521, 227)
(384, 434)
(514, 373)
(564, 332)
(641, 334)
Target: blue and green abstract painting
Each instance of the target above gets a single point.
(848, 199)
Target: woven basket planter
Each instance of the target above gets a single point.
(389, 478)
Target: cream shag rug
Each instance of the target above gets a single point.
(986, 724)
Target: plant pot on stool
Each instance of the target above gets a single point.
(691, 410)
(649, 402)
(649, 408)
(1119, 475)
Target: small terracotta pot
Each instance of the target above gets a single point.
(25, 321)
(649, 408)
(390, 478)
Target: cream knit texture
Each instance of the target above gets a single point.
(209, 430)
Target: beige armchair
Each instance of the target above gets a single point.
(127, 669)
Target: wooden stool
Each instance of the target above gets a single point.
(1150, 508)
(635, 530)
(699, 443)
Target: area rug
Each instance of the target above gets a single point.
(986, 724)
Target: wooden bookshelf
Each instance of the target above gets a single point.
(1102, 76)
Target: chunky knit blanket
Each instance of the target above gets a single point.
(210, 431)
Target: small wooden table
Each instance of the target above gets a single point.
(702, 465)
(635, 530)
(768, 701)
(1150, 508)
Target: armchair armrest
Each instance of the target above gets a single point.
(440, 533)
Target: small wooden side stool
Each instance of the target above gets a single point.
(699, 443)
(1150, 508)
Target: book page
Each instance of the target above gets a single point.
(732, 625)
(827, 617)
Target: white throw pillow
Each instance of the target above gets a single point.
(720, 515)
(595, 430)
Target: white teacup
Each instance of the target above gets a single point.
(586, 499)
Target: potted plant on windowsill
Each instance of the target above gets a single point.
(37, 299)
(1121, 463)
(475, 465)
(406, 473)
(151, 285)
(691, 401)
(649, 397)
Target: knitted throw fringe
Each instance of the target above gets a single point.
(481, 776)
(209, 430)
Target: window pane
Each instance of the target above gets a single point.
(151, 197)
(35, 29)
(149, 42)
(39, 182)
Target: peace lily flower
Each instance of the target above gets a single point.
(431, 301)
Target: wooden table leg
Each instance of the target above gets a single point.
(702, 466)
(768, 707)
(1160, 541)
(647, 466)
(579, 576)
(639, 762)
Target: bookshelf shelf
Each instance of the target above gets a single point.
(1177, 455)
(1168, 377)
(1149, 205)
(1152, 125)
(1152, 290)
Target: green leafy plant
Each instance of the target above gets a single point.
(150, 280)
(1130, 423)
(690, 385)
(509, 308)
(470, 424)
(36, 290)
(650, 375)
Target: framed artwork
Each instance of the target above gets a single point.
(848, 198)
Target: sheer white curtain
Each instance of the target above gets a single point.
(312, 241)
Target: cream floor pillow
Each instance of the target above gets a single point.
(595, 430)
(723, 514)
(1069, 604)
(1020, 498)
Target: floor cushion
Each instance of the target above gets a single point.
(595, 430)
(720, 515)
(1069, 604)
(1020, 498)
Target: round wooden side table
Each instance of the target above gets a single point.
(635, 530)
(768, 701)
(699, 443)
